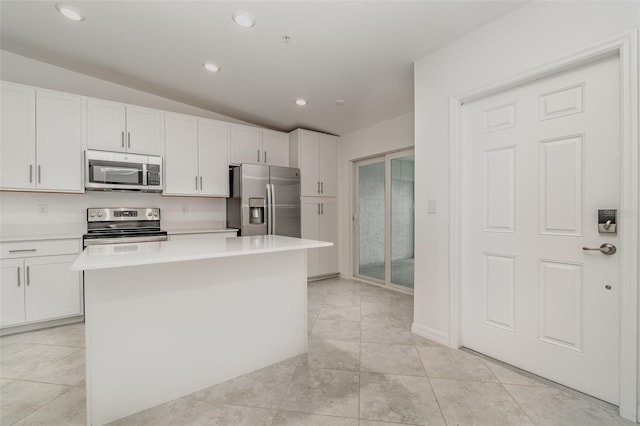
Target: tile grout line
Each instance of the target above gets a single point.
(433, 391)
(41, 406)
(507, 390)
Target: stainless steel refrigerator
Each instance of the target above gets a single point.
(264, 200)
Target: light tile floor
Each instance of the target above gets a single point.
(364, 368)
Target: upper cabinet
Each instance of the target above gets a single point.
(316, 154)
(112, 126)
(275, 148)
(41, 146)
(195, 152)
(258, 146)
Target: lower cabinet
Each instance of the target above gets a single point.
(39, 288)
(320, 222)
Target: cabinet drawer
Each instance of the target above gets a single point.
(17, 249)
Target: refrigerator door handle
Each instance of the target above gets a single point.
(268, 208)
(273, 209)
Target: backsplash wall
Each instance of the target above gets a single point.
(23, 208)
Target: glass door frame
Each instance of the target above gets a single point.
(355, 234)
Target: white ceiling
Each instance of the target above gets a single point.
(360, 52)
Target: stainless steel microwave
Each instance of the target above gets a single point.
(107, 171)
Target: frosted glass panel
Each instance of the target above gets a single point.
(402, 220)
(371, 220)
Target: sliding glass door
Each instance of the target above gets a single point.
(384, 219)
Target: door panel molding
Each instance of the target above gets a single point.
(625, 46)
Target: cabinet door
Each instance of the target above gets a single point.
(59, 141)
(18, 136)
(275, 148)
(143, 130)
(105, 125)
(328, 231)
(245, 144)
(309, 180)
(180, 154)
(213, 146)
(53, 289)
(310, 215)
(11, 292)
(327, 165)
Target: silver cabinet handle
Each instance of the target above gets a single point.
(196, 183)
(30, 173)
(322, 187)
(322, 209)
(128, 139)
(39, 174)
(265, 156)
(318, 209)
(318, 187)
(200, 183)
(258, 155)
(123, 138)
(22, 251)
(606, 248)
(28, 279)
(18, 276)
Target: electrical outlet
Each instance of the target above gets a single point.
(185, 210)
(43, 209)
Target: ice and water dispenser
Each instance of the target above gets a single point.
(256, 211)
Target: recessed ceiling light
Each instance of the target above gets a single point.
(339, 102)
(211, 67)
(301, 102)
(243, 18)
(69, 12)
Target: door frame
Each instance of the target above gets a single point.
(385, 158)
(625, 46)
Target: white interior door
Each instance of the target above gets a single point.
(538, 162)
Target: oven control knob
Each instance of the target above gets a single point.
(92, 214)
(149, 214)
(100, 214)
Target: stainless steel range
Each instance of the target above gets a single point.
(122, 225)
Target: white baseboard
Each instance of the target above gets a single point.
(431, 334)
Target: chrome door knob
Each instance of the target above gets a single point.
(606, 248)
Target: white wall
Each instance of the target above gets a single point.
(531, 36)
(390, 135)
(21, 208)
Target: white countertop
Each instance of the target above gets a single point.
(34, 232)
(136, 254)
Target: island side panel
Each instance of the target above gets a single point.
(159, 332)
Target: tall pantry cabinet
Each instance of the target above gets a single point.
(315, 154)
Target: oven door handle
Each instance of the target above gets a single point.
(123, 240)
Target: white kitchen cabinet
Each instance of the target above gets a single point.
(58, 141)
(180, 155)
(245, 144)
(41, 146)
(315, 154)
(213, 163)
(112, 126)
(254, 145)
(12, 292)
(18, 132)
(275, 148)
(319, 222)
(39, 288)
(195, 156)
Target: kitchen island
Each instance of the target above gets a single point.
(165, 319)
